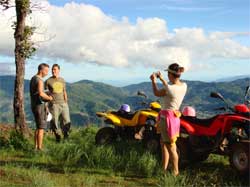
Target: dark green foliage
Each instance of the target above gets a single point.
(15, 140)
(4, 142)
(19, 142)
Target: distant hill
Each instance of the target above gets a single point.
(87, 97)
(233, 78)
(198, 93)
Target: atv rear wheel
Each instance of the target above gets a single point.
(105, 135)
(186, 154)
(239, 157)
(182, 150)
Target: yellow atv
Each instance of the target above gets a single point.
(130, 125)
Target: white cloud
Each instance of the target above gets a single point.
(224, 35)
(81, 33)
(204, 47)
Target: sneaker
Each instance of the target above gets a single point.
(66, 136)
(58, 137)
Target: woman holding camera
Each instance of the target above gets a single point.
(169, 121)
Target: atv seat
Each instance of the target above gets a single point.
(125, 115)
(201, 122)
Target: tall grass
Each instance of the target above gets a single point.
(80, 151)
(123, 158)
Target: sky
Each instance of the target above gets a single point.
(122, 42)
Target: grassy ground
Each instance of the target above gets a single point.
(79, 162)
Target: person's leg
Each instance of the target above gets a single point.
(65, 125)
(35, 139)
(39, 112)
(164, 140)
(42, 126)
(38, 115)
(40, 133)
(174, 157)
(165, 156)
(54, 109)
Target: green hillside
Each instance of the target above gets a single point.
(87, 97)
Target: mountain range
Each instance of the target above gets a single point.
(87, 97)
(232, 78)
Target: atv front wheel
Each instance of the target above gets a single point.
(239, 157)
(152, 144)
(105, 135)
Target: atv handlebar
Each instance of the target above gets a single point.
(219, 96)
(141, 93)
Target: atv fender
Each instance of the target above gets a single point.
(101, 114)
(187, 127)
(109, 116)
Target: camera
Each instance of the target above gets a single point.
(157, 74)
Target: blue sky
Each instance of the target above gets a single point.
(219, 30)
(211, 15)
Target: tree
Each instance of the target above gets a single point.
(23, 50)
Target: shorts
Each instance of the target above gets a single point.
(164, 134)
(39, 112)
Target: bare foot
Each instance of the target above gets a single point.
(176, 174)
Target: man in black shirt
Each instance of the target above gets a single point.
(38, 97)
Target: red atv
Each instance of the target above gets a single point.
(225, 134)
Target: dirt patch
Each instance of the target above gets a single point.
(6, 127)
(2, 173)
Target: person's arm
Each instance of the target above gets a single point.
(164, 82)
(65, 96)
(41, 92)
(157, 92)
(46, 85)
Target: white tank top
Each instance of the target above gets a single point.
(174, 96)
